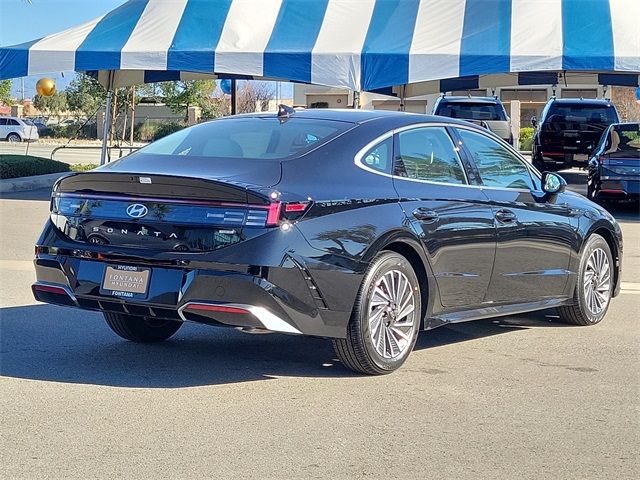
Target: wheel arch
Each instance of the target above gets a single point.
(14, 133)
(410, 247)
(611, 238)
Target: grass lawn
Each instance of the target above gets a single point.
(15, 166)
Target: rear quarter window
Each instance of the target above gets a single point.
(583, 114)
(472, 111)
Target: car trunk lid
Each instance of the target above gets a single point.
(158, 212)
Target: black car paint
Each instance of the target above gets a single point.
(614, 175)
(555, 144)
(470, 267)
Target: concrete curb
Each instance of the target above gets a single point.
(24, 184)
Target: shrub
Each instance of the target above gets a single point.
(90, 130)
(165, 129)
(526, 138)
(145, 132)
(148, 131)
(15, 166)
(82, 167)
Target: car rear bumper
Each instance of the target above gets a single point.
(284, 296)
(612, 188)
(566, 159)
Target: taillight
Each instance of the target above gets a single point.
(273, 215)
(285, 211)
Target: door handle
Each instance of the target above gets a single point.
(425, 215)
(506, 216)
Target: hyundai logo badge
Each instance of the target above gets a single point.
(137, 210)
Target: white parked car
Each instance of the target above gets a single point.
(14, 129)
(487, 112)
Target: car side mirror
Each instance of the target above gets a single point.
(552, 183)
(534, 122)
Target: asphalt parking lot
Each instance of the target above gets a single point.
(515, 397)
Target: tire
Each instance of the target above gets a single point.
(385, 327)
(141, 329)
(596, 273)
(14, 137)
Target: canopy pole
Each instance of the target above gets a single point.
(107, 120)
(105, 130)
(403, 93)
(234, 96)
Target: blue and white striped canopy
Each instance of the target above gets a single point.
(356, 44)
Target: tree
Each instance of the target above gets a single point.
(254, 96)
(54, 104)
(85, 95)
(5, 91)
(180, 95)
(216, 106)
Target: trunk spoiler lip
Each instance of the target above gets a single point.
(138, 174)
(259, 192)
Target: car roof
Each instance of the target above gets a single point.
(487, 100)
(336, 114)
(393, 118)
(582, 101)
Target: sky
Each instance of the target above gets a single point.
(21, 21)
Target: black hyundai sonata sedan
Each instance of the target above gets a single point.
(359, 226)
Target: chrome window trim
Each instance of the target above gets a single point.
(357, 160)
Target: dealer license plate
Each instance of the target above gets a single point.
(126, 281)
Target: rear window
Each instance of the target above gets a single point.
(624, 139)
(582, 114)
(259, 138)
(472, 111)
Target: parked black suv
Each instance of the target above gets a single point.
(568, 131)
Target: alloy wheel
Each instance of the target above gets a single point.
(597, 282)
(392, 315)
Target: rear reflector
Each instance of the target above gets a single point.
(53, 294)
(50, 289)
(216, 308)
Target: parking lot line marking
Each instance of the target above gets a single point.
(630, 287)
(17, 265)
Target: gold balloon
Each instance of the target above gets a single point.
(46, 87)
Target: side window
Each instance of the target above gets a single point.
(13, 122)
(428, 154)
(3, 121)
(498, 167)
(379, 156)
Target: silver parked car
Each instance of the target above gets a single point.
(487, 112)
(15, 129)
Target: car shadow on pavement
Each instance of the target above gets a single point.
(44, 342)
